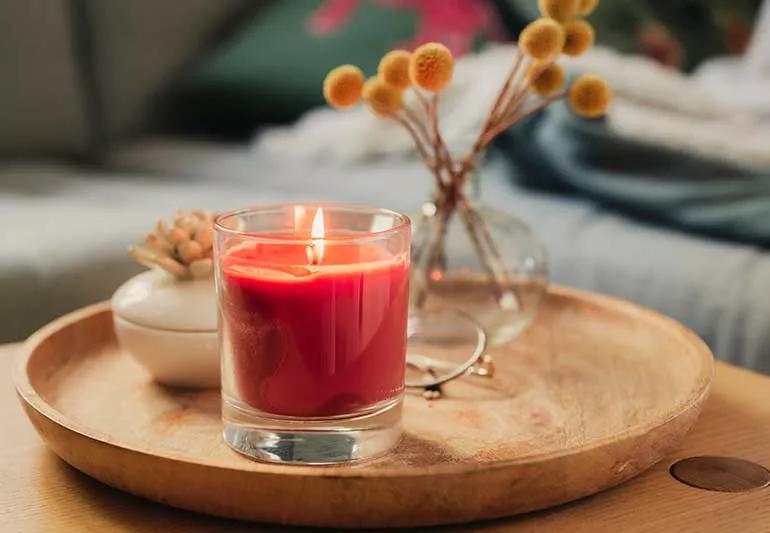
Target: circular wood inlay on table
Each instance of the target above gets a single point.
(722, 474)
(595, 392)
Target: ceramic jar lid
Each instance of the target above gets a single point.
(155, 299)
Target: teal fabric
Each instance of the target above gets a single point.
(272, 70)
(559, 152)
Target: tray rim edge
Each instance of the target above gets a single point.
(28, 395)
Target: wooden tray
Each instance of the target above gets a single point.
(594, 393)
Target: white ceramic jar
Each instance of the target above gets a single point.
(170, 327)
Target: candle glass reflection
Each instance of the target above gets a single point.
(313, 315)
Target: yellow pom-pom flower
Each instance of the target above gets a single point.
(590, 96)
(382, 97)
(561, 10)
(394, 69)
(586, 7)
(431, 67)
(549, 80)
(579, 37)
(343, 86)
(542, 39)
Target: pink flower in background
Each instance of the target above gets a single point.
(456, 23)
(332, 15)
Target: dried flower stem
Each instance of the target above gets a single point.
(431, 163)
(439, 147)
(419, 240)
(472, 222)
(517, 117)
(408, 125)
(495, 263)
(505, 112)
(426, 137)
(524, 90)
(435, 253)
(423, 101)
(441, 157)
(495, 113)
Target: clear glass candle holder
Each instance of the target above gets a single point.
(313, 303)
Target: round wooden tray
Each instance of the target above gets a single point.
(595, 392)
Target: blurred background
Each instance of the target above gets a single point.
(115, 112)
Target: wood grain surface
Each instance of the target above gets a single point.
(41, 493)
(597, 391)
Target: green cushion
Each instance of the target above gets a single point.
(273, 69)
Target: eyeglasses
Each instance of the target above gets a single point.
(443, 346)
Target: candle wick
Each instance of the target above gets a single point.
(314, 260)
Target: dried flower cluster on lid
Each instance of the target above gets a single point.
(183, 248)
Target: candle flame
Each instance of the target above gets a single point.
(315, 252)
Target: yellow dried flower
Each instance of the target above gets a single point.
(561, 10)
(580, 37)
(381, 97)
(343, 86)
(542, 38)
(394, 68)
(550, 79)
(431, 67)
(590, 96)
(586, 7)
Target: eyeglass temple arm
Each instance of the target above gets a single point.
(482, 367)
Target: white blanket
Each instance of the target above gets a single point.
(722, 111)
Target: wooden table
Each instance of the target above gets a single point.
(39, 492)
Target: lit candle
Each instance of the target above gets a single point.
(315, 251)
(314, 323)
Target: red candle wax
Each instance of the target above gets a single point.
(315, 340)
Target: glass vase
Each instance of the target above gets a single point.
(483, 262)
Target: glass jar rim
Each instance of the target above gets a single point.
(403, 222)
